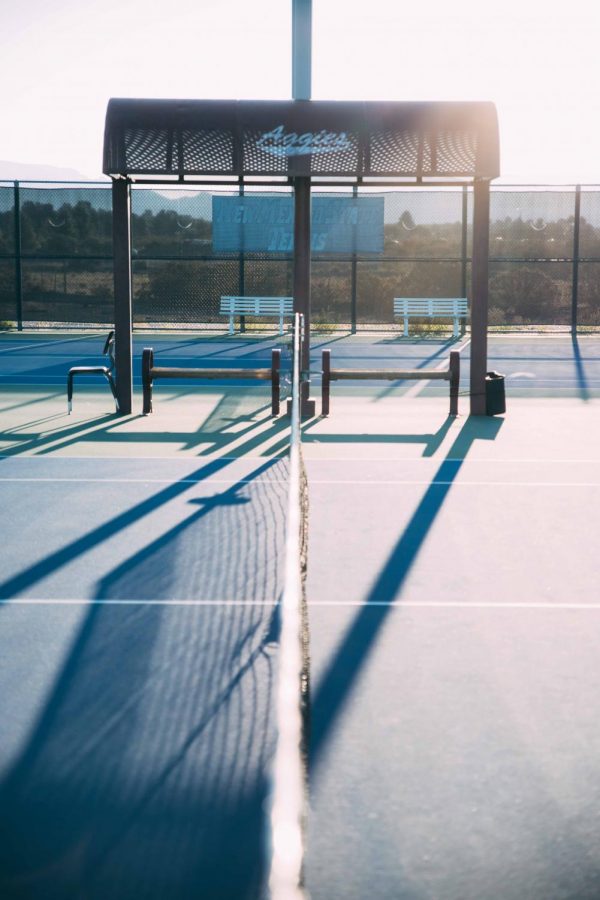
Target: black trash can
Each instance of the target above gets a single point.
(495, 399)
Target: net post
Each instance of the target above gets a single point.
(147, 366)
(275, 381)
(325, 381)
(454, 369)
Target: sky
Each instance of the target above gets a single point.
(538, 61)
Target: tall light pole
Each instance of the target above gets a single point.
(301, 49)
(301, 90)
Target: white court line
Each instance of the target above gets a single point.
(93, 601)
(433, 460)
(451, 604)
(195, 461)
(457, 483)
(173, 481)
(188, 460)
(544, 605)
(18, 348)
(210, 460)
(350, 481)
(419, 386)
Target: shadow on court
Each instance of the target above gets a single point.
(432, 442)
(146, 772)
(216, 434)
(582, 381)
(336, 685)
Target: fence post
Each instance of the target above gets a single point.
(18, 270)
(574, 289)
(353, 273)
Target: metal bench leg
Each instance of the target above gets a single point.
(275, 381)
(89, 370)
(454, 381)
(325, 381)
(405, 326)
(230, 324)
(456, 327)
(69, 393)
(147, 366)
(113, 388)
(280, 324)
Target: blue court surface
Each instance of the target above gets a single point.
(453, 610)
(533, 365)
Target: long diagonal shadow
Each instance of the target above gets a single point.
(25, 579)
(151, 751)
(336, 685)
(582, 382)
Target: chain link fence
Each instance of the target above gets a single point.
(56, 256)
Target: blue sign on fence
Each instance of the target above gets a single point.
(249, 224)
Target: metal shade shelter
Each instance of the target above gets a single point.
(299, 143)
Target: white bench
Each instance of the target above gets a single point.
(431, 307)
(257, 306)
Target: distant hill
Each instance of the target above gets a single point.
(18, 171)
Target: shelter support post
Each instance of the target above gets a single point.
(302, 232)
(121, 200)
(479, 294)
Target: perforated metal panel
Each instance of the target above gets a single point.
(346, 160)
(207, 150)
(257, 160)
(456, 152)
(147, 149)
(399, 151)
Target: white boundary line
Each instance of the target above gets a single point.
(399, 604)
(18, 347)
(188, 460)
(201, 461)
(460, 483)
(340, 481)
(173, 481)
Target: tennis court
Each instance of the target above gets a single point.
(452, 609)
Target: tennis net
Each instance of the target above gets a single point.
(289, 790)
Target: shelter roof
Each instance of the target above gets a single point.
(357, 139)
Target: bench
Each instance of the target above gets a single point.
(256, 306)
(451, 374)
(431, 307)
(106, 371)
(150, 373)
